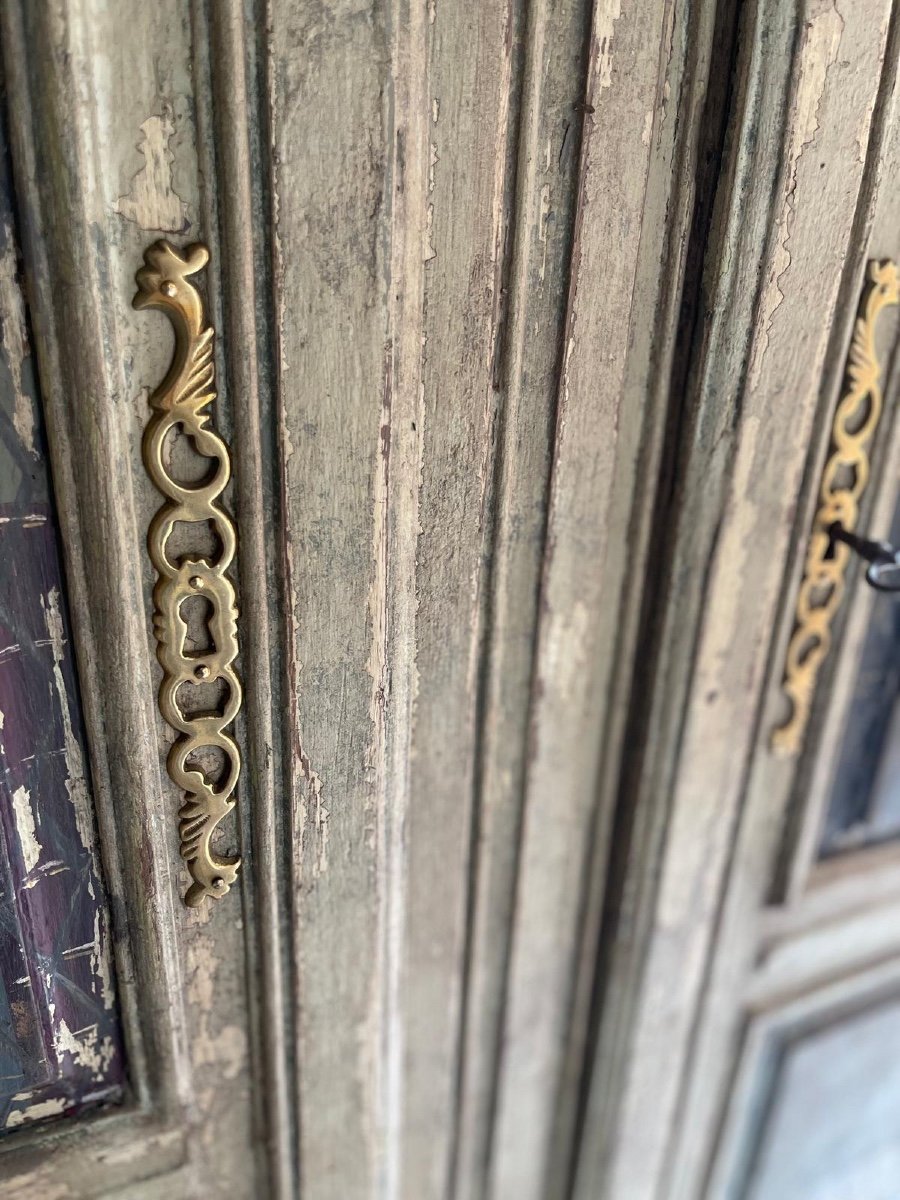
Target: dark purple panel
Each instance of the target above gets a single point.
(60, 1039)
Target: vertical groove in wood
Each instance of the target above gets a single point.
(471, 91)
(329, 77)
(244, 247)
(543, 172)
(607, 437)
(394, 603)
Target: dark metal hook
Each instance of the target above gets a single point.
(883, 559)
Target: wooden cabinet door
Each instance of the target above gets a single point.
(531, 323)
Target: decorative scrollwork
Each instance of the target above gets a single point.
(178, 404)
(844, 480)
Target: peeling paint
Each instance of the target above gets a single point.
(608, 12)
(542, 226)
(218, 1052)
(822, 38)
(76, 781)
(84, 1047)
(26, 828)
(44, 1108)
(647, 131)
(152, 202)
(14, 341)
(430, 251)
(320, 812)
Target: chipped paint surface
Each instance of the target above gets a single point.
(822, 39)
(25, 827)
(76, 783)
(34, 1112)
(542, 227)
(14, 348)
(605, 17)
(152, 202)
(218, 1048)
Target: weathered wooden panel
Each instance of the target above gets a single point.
(813, 1097)
(775, 273)
(549, 117)
(466, 362)
(329, 71)
(634, 205)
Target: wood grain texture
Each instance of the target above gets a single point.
(548, 119)
(634, 205)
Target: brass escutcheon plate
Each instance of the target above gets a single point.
(178, 404)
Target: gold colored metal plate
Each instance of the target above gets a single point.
(844, 480)
(178, 405)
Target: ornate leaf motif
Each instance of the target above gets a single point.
(179, 402)
(844, 480)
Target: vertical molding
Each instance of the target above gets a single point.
(549, 68)
(471, 86)
(629, 226)
(235, 143)
(329, 92)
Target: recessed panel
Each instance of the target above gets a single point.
(830, 1129)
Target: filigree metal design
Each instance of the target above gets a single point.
(843, 483)
(178, 404)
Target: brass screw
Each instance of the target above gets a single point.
(202, 672)
(196, 582)
(168, 289)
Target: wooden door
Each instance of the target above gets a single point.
(531, 324)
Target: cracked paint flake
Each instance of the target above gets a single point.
(822, 38)
(76, 781)
(220, 1052)
(26, 828)
(647, 131)
(44, 1108)
(85, 1047)
(608, 12)
(320, 815)
(542, 227)
(430, 251)
(152, 202)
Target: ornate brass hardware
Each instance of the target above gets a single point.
(843, 483)
(178, 405)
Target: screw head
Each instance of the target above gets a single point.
(218, 883)
(196, 582)
(168, 288)
(202, 672)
